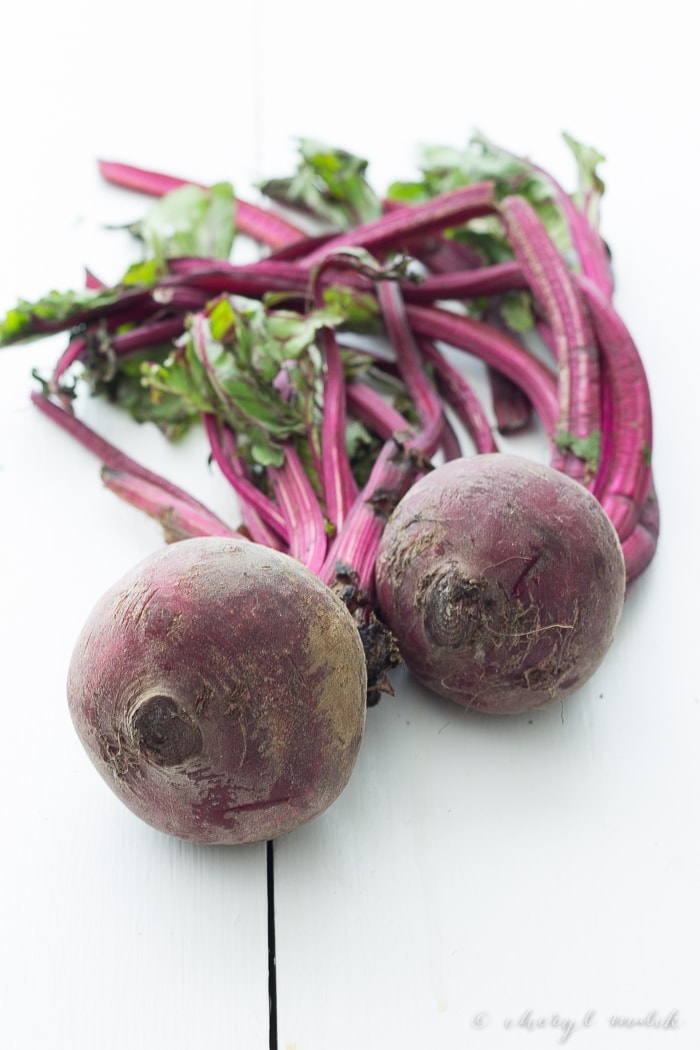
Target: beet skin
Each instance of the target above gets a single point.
(503, 581)
(220, 690)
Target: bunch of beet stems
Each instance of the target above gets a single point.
(595, 384)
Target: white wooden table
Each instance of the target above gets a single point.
(481, 883)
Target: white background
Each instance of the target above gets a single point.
(481, 882)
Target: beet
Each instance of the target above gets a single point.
(503, 581)
(220, 689)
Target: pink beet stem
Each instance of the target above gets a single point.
(354, 549)
(396, 229)
(223, 449)
(371, 409)
(496, 349)
(626, 475)
(421, 391)
(179, 519)
(255, 222)
(460, 395)
(574, 347)
(118, 461)
(338, 482)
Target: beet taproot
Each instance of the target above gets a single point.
(220, 689)
(503, 581)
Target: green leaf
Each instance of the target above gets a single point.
(445, 168)
(259, 371)
(586, 448)
(120, 380)
(362, 448)
(590, 185)
(330, 184)
(359, 310)
(144, 273)
(407, 192)
(190, 220)
(517, 311)
(29, 319)
(296, 333)
(222, 318)
(265, 453)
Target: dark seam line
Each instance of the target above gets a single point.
(271, 955)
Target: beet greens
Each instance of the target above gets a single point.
(319, 374)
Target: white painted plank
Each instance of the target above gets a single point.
(477, 868)
(473, 871)
(112, 934)
(130, 935)
(482, 882)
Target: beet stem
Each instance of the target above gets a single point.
(371, 409)
(119, 462)
(458, 392)
(179, 519)
(223, 449)
(306, 526)
(394, 229)
(353, 551)
(420, 389)
(255, 222)
(339, 486)
(625, 478)
(494, 348)
(574, 346)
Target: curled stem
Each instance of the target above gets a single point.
(579, 424)
(625, 476)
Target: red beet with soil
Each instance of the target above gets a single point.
(503, 581)
(220, 689)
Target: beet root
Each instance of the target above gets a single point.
(220, 689)
(503, 581)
